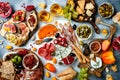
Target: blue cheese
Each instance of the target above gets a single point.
(62, 52)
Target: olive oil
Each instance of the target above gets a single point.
(45, 16)
(56, 10)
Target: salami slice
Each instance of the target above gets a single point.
(42, 52)
(51, 48)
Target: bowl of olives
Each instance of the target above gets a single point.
(106, 10)
(84, 32)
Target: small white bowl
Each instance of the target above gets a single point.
(34, 67)
(8, 53)
(107, 4)
(89, 34)
(97, 42)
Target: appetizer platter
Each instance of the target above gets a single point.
(21, 64)
(59, 40)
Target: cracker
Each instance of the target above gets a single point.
(7, 67)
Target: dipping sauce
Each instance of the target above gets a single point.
(95, 46)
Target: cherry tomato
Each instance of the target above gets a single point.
(64, 40)
(56, 41)
(65, 44)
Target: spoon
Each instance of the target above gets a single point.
(112, 27)
(99, 21)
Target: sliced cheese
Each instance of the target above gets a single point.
(89, 13)
(89, 6)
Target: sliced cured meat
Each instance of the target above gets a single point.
(24, 30)
(48, 57)
(18, 16)
(47, 46)
(8, 27)
(31, 74)
(5, 9)
(31, 20)
(46, 51)
(68, 60)
(51, 48)
(42, 52)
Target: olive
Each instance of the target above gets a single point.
(19, 59)
(72, 54)
(16, 66)
(57, 35)
(74, 27)
(48, 39)
(16, 57)
(86, 51)
(20, 66)
(18, 71)
(60, 63)
(14, 60)
(85, 45)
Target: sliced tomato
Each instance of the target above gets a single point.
(5, 9)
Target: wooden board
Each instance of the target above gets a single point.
(40, 66)
(96, 72)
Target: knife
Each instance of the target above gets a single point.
(37, 42)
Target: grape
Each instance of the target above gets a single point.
(69, 15)
(74, 16)
(66, 15)
(83, 74)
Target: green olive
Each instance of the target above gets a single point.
(14, 60)
(19, 59)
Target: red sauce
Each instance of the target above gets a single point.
(30, 61)
(95, 46)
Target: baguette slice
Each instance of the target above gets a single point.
(67, 74)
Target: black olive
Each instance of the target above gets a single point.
(85, 45)
(87, 51)
(20, 66)
(48, 39)
(74, 27)
(57, 35)
(16, 66)
(72, 54)
(18, 71)
(60, 63)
